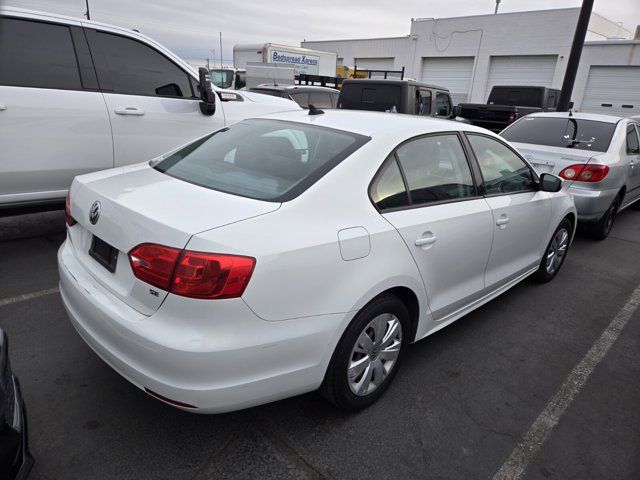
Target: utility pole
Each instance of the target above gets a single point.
(497, 5)
(574, 55)
(213, 50)
(221, 66)
(87, 13)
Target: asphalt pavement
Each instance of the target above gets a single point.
(463, 400)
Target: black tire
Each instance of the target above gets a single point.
(544, 273)
(336, 385)
(600, 230)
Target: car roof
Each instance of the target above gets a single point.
(373, 124)
(598, 117)
(281, 88)
(394, 81)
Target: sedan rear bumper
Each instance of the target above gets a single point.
(591, 204)
(205, 356)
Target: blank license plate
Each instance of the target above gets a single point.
(104, 254)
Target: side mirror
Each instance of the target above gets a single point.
(456, 111)
(550, 183)
(207, 97)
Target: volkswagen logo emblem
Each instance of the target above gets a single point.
(94, 213)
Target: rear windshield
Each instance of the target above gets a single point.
(366, 96)
(517, 97)
(268, 91)
(264, 159)
(562, 132)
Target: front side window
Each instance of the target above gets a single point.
(443, 105)
(241, 80)
(263, 159)
(388, 189)
(37, 54)
(128, 66)
(371, 96)
(565, 132)
(633, 146)
(436, 169)
(502, 170)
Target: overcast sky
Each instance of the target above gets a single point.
(190, 27)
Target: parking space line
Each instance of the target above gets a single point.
(516, 464)
(28, 296)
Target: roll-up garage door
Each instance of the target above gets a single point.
(374, 63)
(612, 90)
(534, 70)
(453, 73)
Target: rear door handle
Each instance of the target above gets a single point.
(129, 111)
(502, 221)
(426, 240)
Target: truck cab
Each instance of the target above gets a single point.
(396, 96)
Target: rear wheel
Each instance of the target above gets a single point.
(601, 229)
(368, 355)
(555, 253)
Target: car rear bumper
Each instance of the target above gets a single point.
(591, 204)
(211, 356)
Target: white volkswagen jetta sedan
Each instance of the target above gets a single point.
(301, 251)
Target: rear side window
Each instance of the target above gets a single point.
(388, 190)
(37, 54)
(369, 96)
(633, 147)
(436, 169)
(127, 66)
(320, 99)
(503, 171)
(262, 159)
(443, 105)
(561, 132)
(521, 97)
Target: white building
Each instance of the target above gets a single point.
(471, 54)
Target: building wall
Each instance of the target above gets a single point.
(546, 32)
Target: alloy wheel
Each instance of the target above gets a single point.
(557, 250)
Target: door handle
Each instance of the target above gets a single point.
(129, 111)
(2, 107)
(502, 221)
(426, 240)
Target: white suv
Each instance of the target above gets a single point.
(78, 96)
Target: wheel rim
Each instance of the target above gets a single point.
(557, 250)
(374, 354)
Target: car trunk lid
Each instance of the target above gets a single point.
(141, 205)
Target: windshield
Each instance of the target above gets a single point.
(562, 132)
(221, 77)
(369, 96)
(263, 159)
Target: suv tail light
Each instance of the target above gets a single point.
(192, 274)
(67, 212)
(585, 173)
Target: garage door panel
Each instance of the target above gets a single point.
(536, 70)
(612, 90)
(453, 73)
(375, 63)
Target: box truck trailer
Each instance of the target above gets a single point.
(304, 60)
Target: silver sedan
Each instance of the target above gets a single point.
(598, 156)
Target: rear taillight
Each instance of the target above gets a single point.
(192, 274)
(67, 212)
(585, 173)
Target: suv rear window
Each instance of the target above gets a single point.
(562, 132)
(371, 96)
(517, 97)
(269, 160)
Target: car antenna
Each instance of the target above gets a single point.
(315, 111)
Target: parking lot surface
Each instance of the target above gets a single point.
(463, 400)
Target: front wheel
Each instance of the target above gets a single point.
(555, 253)
(368, 355)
